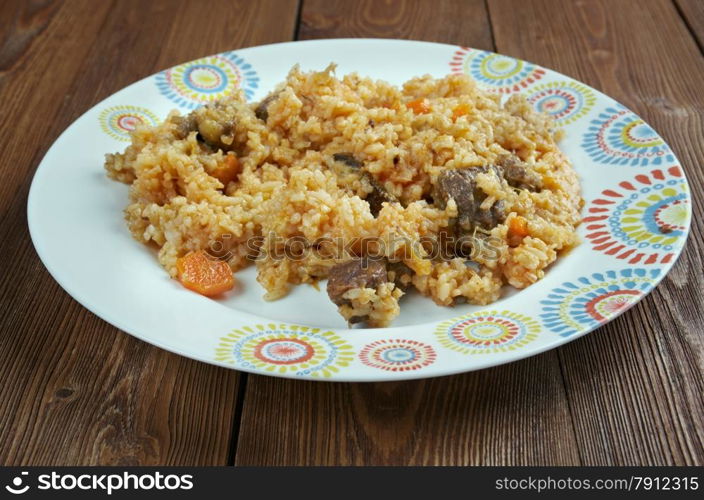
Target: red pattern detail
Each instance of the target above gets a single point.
(283, 350)
(458, 331)
(425, 355)
(611, 251)
(601, 238)
(622, 154)
(652, 259)
(457, 63)
(628, 253)
(615, 306)
(635, 259)
(595, 219)
(596, 235)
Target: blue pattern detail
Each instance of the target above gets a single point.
(501, 72)
(589, 301)
(204, 80)
(619, 137)
(398, 355)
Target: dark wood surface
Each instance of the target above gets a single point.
(75, 390)
(692, 12)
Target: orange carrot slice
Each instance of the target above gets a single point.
(461, 110)
(204, 274)
(517, 230)
(228, 170)
(419, 106)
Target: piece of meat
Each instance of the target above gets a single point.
(210, 123)
(355, 273)
(184, 125)
(461, 186)
(348, 159)
(212, 132)
(517, 175)
(399, 274)
(262, 109)
(377, 195)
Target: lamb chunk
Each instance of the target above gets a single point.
(262, 109)
(211, 123)
(212, 132)
(461, 186)
(399, 274)
(348, 159)
(355, 273)
(517, 175)
(377, 196)
(184, 125)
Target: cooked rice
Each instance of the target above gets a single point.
(289, 185)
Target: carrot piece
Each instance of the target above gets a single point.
(204, 274)
(517, 230)
(461, 110)
(228, 170)
(550, 182)
(419, 106)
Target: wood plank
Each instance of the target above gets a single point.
(635, 386)
(692, 12)
(37, 37)
(230, 25)
(447, 21)
(514, 414)
(77, 390)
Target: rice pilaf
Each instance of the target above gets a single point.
(436, 186)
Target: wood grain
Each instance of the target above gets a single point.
(78, 391)
(30, 41)
(635, 386)
(461, 22)
(75, 389)
(692, 12)
(514, 414)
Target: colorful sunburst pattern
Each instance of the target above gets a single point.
(119, 121)
(397, 355)
(643, 220)
(619, 137)
(208, 79)
(566, 101)
(283, 349)
(487, 331)
(495, 72)
(589, 301)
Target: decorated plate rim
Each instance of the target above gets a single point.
(426, 365)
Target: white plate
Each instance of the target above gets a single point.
(632, 183)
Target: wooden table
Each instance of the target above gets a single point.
(76, 390)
